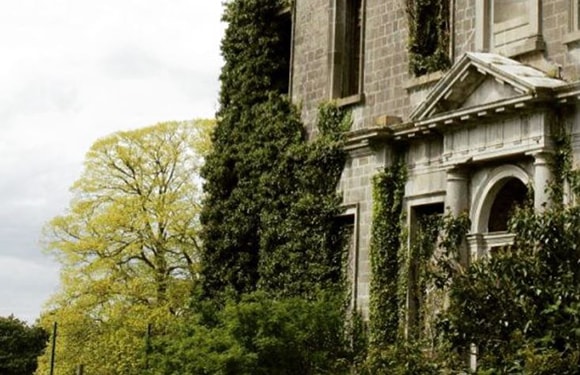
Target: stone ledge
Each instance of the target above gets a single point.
(415, 83)
(349, 100)
(571, 37)
(534, 43)
(365, 138)
(386, 120)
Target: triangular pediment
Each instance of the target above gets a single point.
(489, 91)
(478, 79)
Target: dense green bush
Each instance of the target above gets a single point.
(259, 335)
(521, 305)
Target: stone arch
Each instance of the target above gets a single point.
(500, 178)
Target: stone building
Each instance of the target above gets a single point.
(474, 128)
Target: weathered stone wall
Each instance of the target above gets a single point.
(385, 70)
(386, 78)
(385, 61)
(310, 56)
(464, 27)
(555, 30)
(390, 90)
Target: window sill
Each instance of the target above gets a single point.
(571, 37)
(415, 83)
(520, 47)
(349, 100)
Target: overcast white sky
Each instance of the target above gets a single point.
(72, 71)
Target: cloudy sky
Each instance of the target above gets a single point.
(72, 71)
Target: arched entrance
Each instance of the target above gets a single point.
(494, 201)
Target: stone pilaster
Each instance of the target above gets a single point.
(476, 245)
(542, 177)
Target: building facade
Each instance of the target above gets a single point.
(467, 92)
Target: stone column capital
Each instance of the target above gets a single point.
(457, 174)
(541, 157)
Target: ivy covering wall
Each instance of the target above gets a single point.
(269, 213)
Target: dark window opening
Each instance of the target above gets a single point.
(343, 240)
(512, 194)
(352, 52)
(424, 235)
(347, 55)
(429, 209)
(283, 52)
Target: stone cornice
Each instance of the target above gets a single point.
(486, 112)
(365, 138)
(569, 93)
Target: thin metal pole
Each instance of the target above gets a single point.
(147, 346)
(81, 370)
(54, 327)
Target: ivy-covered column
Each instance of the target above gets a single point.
(387, 295)
(542, 177)
(457, 201)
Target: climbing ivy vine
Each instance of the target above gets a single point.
(410, 281)
(421, 290)
(302, 246)
(388, 193)
(428, 36)
(243, 146)
(272, 296)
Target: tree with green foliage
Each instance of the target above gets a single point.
(128, 245)
(521, 306)
(20, 346)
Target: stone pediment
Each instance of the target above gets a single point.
(481, 79)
